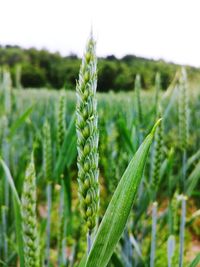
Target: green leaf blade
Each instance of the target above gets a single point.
(68, 150)
(11, 182)
(17, 211)
(20, 121)
(193, 179)
(196, 261)
(116, 216)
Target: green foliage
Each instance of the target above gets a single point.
(196, 261)
(157, 160)
(87, 136)
(116, 216)
(17, 212)
(22, 121)
(61, 127)
(29, 221)
(32, 76)
(39, 68)
(47, 152)
(138, 98)
(183, 111)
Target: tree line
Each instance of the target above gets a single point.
(41, 68)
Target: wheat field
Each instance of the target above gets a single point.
(90, 179)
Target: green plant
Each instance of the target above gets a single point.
(29, 220)
(48, 167)
(158, 156)
(115, 218)
(156, 177)
(183, 132)
(61, 129)
(87, 138)
(124, 236)
(157, 91)
(138, 99)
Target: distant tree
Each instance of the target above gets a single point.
(32, 76)
(43, 68)
(111, 57)
(108, 72)
(72, 56)
(128, 58)
(125, 78)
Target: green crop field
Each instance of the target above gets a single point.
(100, 179)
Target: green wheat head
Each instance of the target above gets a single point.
(138, 97)
(6, 85)
(61, 126)
(88, 136)
(29, 220)
(157, 92)
(183, 110)
(47, 152)
(157, 158)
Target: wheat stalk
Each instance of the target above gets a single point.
(157, 92)
(153, 234)
(87, 138)
(61, 129)
(47, 152)
(157, 158)
(183, 110)
(6, 85)
(183, 135)
(157, 161)
(29, 220)
(47, 161)
(138, 98)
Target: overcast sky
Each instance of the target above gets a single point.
(168, 29)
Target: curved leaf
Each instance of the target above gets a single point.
(193, 179)
(196, 261)
(68, 150)
(20, 121)
(116, 216)
(17, 210)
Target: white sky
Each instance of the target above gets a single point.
(168, 29)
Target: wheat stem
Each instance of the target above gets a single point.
(62, 229)
(182, 230)
(4, 229)
(87, 138)
(48, 227)
(153, 234)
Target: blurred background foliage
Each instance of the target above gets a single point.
(41, 68)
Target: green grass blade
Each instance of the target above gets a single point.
(125, 135)
(10, 181)
(19, 121)
(3, 263)
(136, 246)
(116, 216)
(68, 150)
(83, 261)
(191, 161)
(17, 211)
(116, 260)
(193, 180)
(196, 261)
